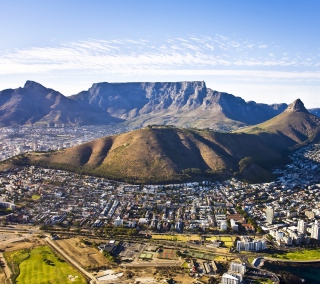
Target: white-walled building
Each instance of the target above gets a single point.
(249, 245)
(237, 267)
(269, 215)
(231, 278)
(302, 226)
(315, 231)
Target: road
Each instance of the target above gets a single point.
(72, 261)
(6, 268)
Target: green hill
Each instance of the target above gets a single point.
(158, 154)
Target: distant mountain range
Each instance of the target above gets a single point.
(182, 104)
(158, 154)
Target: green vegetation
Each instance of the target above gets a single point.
(262, 281)
(41, 265)
(181, 238)
(146, 256)
(161, 155)
(185, 265)
(14, 259)
(300, 255)
(249, 219)
(35, 197)
(108, 256)
(250, 258)
(200, 255)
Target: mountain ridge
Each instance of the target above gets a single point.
(183, 104)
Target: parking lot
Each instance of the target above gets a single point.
(130, 251)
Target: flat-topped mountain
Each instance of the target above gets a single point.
(168, 154)
(183, 104)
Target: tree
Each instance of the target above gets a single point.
(245, 162)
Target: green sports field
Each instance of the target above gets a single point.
(301, 255)
(42, 266)
(146, 255)
(227, 240)
(177, 237)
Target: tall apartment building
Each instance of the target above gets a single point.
(302, 226)
(248, 245)
(237, 267)
(315, 231)
(231, 278)
(269, 214)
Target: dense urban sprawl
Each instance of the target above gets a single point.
(287, 208)
(284, 211)
(22, 139)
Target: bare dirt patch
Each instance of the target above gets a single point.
(23, 244)
(156, 275)
(2, 277)
(86, 256)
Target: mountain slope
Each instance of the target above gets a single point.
(35, 104)
(163, 154)
(167, 154)
(295, 124)
(183, 104)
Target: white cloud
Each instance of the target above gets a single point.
(202, 55)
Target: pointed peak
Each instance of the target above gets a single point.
(297, 106)
(32, 84)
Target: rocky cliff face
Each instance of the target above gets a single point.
(297, 106)
(178, 103)
(183, 104)
(145, 97)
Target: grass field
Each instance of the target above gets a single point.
(300, 255)
(35, 197)
(179, 238)
(228, 244)
(146, 255)
(41, 265)
(201, 255)
(228, 241)
(223, 258)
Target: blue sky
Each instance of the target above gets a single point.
(266, 51)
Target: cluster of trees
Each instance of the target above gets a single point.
(249, 219)
(121, 231)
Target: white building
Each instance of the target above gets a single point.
(231, 278)
(315, 231)
(269, 215)
(237, 267)
(302, 226)
(248, 245)
(223, 225)
(234, 225)
(118, 222)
